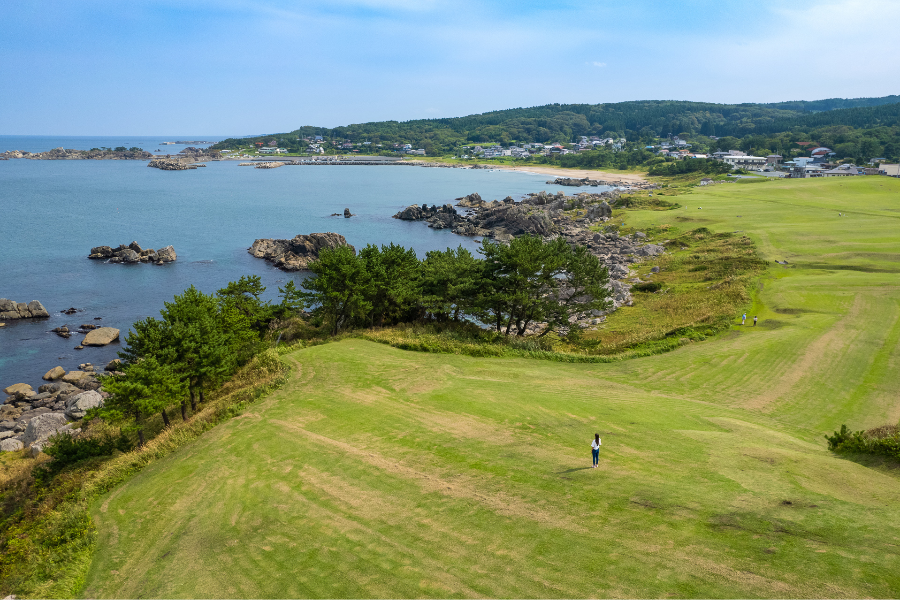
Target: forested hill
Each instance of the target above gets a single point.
(634, 120)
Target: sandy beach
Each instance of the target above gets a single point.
(577, 173)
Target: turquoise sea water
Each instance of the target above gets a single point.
(53, 212)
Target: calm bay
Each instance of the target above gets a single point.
(53, 212)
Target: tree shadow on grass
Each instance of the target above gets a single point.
(884, 464)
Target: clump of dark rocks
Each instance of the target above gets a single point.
(296, 254)
(133, 253)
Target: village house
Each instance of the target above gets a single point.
(805, 171)
(745, 162)
(891, 170)
(841, 171)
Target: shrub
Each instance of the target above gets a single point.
(884, 440)
(649, 286)
(67, 449)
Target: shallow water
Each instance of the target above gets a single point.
(53, 212)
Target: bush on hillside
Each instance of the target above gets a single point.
(884, 440)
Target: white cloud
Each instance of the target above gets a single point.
(598, 64)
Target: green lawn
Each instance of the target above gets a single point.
(377, 472)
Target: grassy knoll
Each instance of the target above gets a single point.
(380, 472)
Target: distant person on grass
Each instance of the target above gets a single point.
(595, 450)
(754, 321)
(744, 319)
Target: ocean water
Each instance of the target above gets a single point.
(53, 212)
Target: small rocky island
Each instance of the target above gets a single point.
(296, 254)
(11, 310)
(172, 164)
(133, 253)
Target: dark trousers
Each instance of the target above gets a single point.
(596, 453)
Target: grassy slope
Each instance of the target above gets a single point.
(378, 472)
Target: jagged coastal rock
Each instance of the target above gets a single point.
(10, 310)
(171, 164)
(296, 254)
(133, 253)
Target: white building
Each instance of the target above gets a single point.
(745, 162)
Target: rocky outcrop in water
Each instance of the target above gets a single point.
(101, 336)
(171, 164)
(133, 253)
(10, 310)
(296, 254)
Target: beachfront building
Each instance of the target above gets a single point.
(745, 162)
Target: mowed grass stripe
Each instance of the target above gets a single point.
(338, 495)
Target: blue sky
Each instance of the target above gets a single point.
(239, 67)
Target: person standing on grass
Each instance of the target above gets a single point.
(744, 319)
(595, 450)
(754, 321)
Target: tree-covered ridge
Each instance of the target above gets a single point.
(634, 120)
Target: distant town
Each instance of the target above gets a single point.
(807, 159)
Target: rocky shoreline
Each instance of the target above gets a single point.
(571, 182)
(133, 253)
(296, 254)
(29, 418)
(548, 216)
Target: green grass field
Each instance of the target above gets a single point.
(377, 472)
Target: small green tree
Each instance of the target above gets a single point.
(393, 276)
(146, 387)
(202, 347)
(291, 299)
(340, 288)
(532, 280)
(583, 287)
(451, 283)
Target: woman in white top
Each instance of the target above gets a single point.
(595, 449)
